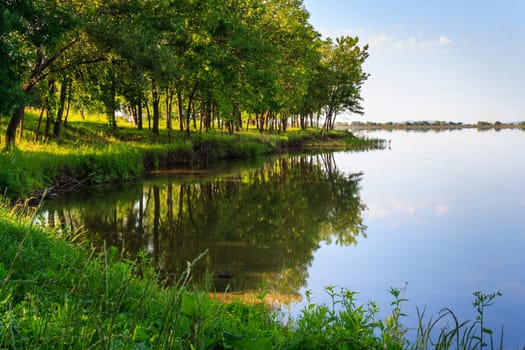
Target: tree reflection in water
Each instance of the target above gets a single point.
(262, 224)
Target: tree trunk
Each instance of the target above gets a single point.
(156, 112)
(68, 103)
(213, 110)
(132, 109)
(148, 114)
(60, 112)
(188, 110)
(260, 122)
(21, 131)
(110, 103)
(238, 120)
(180, 110)
(327, 122)
(194, 116)
(332, 124)
(10, 134)
(37, 74)
(49, 119)
(139, 115)
(169, 108)
(37, 130)
(284, 122)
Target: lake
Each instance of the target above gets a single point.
(442, 213)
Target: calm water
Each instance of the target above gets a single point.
(442, 212)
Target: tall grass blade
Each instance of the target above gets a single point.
(21, 245)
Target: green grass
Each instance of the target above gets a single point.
(57, 294)
(39, 166)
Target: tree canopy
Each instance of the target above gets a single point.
(204, 63)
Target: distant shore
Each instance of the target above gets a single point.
(429, 125)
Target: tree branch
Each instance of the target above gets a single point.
(36, 74)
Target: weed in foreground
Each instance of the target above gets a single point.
(454, 334)
(345, 325)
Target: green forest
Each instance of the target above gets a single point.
(180, 65)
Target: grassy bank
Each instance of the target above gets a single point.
(88, 153)
(55, 294)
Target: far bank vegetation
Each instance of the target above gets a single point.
(429, 125)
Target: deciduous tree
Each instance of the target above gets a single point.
(343, 77)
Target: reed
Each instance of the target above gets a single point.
(446, 331)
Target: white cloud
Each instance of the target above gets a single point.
(444, 41)
(441, 209)
(406, 44)
(395, 41)
(336, 32)
(395, 38)
(392, 207)
(516, 288)
(377, 40)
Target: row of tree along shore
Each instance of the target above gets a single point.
(429, 125)
(191, 65)
(89, 153)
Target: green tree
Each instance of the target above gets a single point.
(215, 59)
(120, 33)
(45, 30)
(296, 39)
(343, 77)
(11, 49)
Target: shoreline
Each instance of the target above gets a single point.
(29, 173)
(427, 126)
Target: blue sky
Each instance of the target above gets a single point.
(454, 60)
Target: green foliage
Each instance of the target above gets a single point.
(342, 75)
(342, 325)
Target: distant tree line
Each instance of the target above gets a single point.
(430, 125)
(193, 64)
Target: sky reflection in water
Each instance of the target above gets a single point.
(446, 214)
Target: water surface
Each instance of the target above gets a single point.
(446, 214)
(442, 212)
